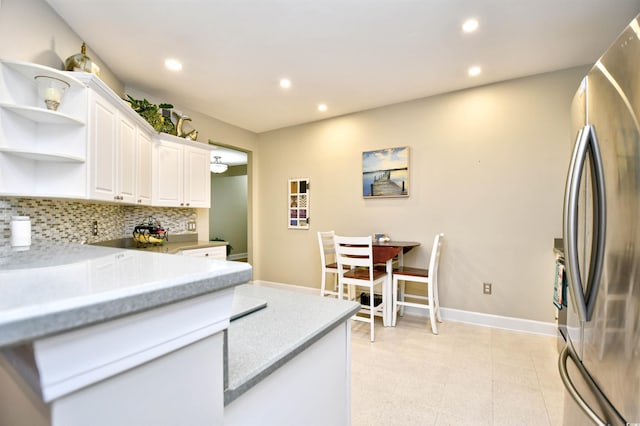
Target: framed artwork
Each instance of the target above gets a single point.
(385, 173)
(298, 204)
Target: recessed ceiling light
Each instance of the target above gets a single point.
(470, 25)
(322, 107)
(474, 71)
(285, 83)
(173, 64)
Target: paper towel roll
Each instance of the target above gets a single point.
(20, 231)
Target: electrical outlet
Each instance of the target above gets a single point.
(94, 228)
(191, 225)
(486, 288)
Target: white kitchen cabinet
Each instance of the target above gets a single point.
(119, 150)
(197, 174)
(127, 160)
(181, 174)
(93, 147)
(168, 180)
(42, 152)
(103, 141)
(218, 252)
(144, 171)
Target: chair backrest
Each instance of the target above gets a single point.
(327, 247)
(435, 257)
(354, 252)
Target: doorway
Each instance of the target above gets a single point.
(229, 212)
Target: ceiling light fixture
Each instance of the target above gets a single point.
(474, 71)
(322, 107)
(470, 25)
(217, 166)
(285, 83)
(173, 64)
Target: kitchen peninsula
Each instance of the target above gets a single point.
(97, 335)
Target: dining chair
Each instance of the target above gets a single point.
(424, 276)
(328, 264)
(354, 256)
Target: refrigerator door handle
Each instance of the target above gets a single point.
(599, 223)
(570, 222)
(586, 145)
(613, 417)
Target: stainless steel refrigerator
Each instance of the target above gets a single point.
(600, 365)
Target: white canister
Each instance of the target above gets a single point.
(20, 231)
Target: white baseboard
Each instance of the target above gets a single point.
(292, 287)
(497, 321)
(456, 315)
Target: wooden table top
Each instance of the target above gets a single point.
(390, 249)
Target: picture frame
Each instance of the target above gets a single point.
(385, 173)
(298, 204)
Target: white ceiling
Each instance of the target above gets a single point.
(230, 157)
(350, 54)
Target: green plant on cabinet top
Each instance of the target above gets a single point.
(153, 114)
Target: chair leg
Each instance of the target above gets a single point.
(432, 313)
(394, 304)
(372, 313)
(323, 283)
(335, 283)
(401, 297)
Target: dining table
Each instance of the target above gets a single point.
(383, 253)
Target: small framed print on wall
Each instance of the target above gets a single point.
(385, 173)
(298, 203)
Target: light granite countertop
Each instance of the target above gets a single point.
(260, 343)
(52, 288)
(175, 244)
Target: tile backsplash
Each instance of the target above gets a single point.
(72, 221)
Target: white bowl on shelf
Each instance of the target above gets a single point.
(51, 90)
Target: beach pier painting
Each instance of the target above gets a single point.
(385, 173)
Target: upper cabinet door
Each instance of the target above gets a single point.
(144, 169)
(128, 156)
(197, 178)
(181, 174)
(168, 174)
(103, 151)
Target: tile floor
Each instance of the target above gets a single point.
(466, 375)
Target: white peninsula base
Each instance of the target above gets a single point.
(169, 390)
(311, 389)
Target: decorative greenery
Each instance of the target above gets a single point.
(153, 114)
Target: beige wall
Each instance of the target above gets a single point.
(487, 168)
(31, 31)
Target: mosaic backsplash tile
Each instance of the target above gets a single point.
(72, 221)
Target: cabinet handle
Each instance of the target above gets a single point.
(206, 254)
(181, 204)
(188, 204)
